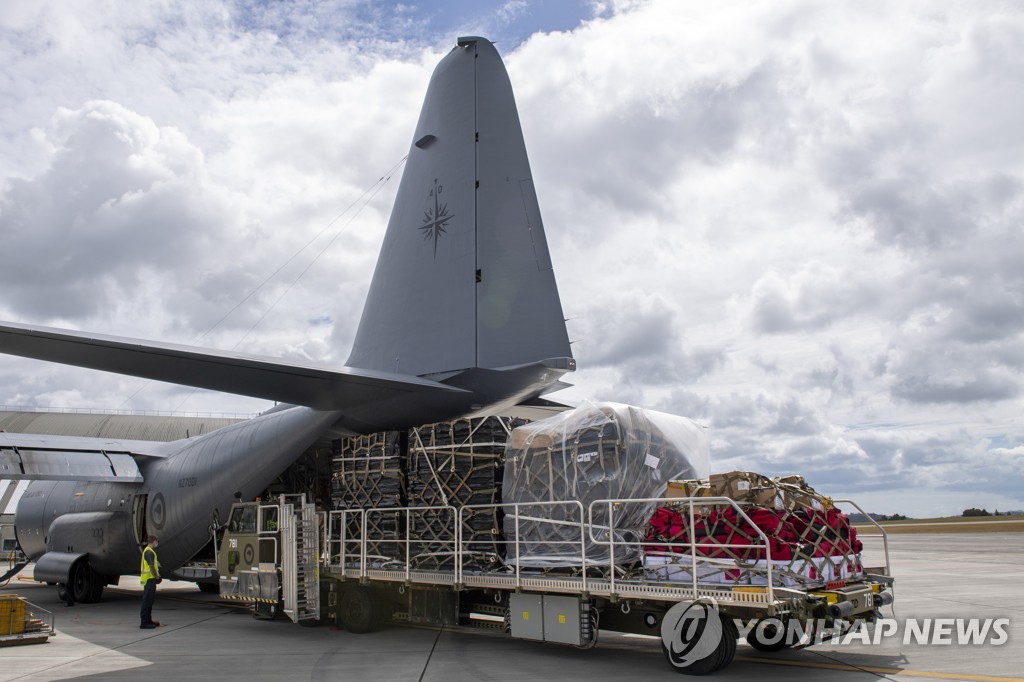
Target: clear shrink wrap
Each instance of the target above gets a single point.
(598, 451)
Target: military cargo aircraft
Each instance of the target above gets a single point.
(462, 317)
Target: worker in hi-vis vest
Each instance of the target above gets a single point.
(149, 573)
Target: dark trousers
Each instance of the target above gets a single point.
(148, 597)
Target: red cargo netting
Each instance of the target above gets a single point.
(806, 545)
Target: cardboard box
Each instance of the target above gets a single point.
(797, 494)
(520, 436)
(692, 488)
(770, 497)
(740, 486)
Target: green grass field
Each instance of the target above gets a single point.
(952, 524)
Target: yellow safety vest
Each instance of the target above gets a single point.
(145, 573)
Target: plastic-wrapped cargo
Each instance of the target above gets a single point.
(597, 451)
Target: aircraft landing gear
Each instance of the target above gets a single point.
(84, 584)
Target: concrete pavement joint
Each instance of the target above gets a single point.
(426, 663)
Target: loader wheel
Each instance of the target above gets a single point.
(696, 639)
(359, 610)
(729, 637)
(769, 635)
(268, 610)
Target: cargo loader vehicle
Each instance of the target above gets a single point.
(702, 563)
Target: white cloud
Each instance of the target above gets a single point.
(796, 222)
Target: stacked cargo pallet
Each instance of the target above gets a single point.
(368, 472)
(436, 466)
(432, 476)
(458, 464)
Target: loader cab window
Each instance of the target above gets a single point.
(243, 519)
(268, 522)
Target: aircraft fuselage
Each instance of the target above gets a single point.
(177, 501)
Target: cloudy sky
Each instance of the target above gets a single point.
(798, 223)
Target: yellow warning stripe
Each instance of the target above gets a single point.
(241, 597)
(880, 671)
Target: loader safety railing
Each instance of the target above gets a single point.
(587, 553)
(692, 546)
(881, 531)
(384, 541)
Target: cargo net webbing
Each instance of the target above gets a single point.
(807, 545)
(597, 451)
(385, 538)
(368, 472)
(458, 463)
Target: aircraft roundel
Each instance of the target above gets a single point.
(157, 511)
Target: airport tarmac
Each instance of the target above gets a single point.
(937, 576)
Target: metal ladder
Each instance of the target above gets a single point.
(300, 560)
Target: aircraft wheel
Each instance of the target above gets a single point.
(768, 635)
(696, 639)
(359, 610)
(80, 583)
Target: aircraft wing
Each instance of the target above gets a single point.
(300, 383)
(70, 458)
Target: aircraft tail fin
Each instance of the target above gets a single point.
(464, 279)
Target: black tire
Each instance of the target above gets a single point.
(763, 636)
(359, 610)
(730, 635)
(680, 654)
(208, 588)
(80, 583)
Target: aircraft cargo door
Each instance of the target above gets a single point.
(139, 518)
